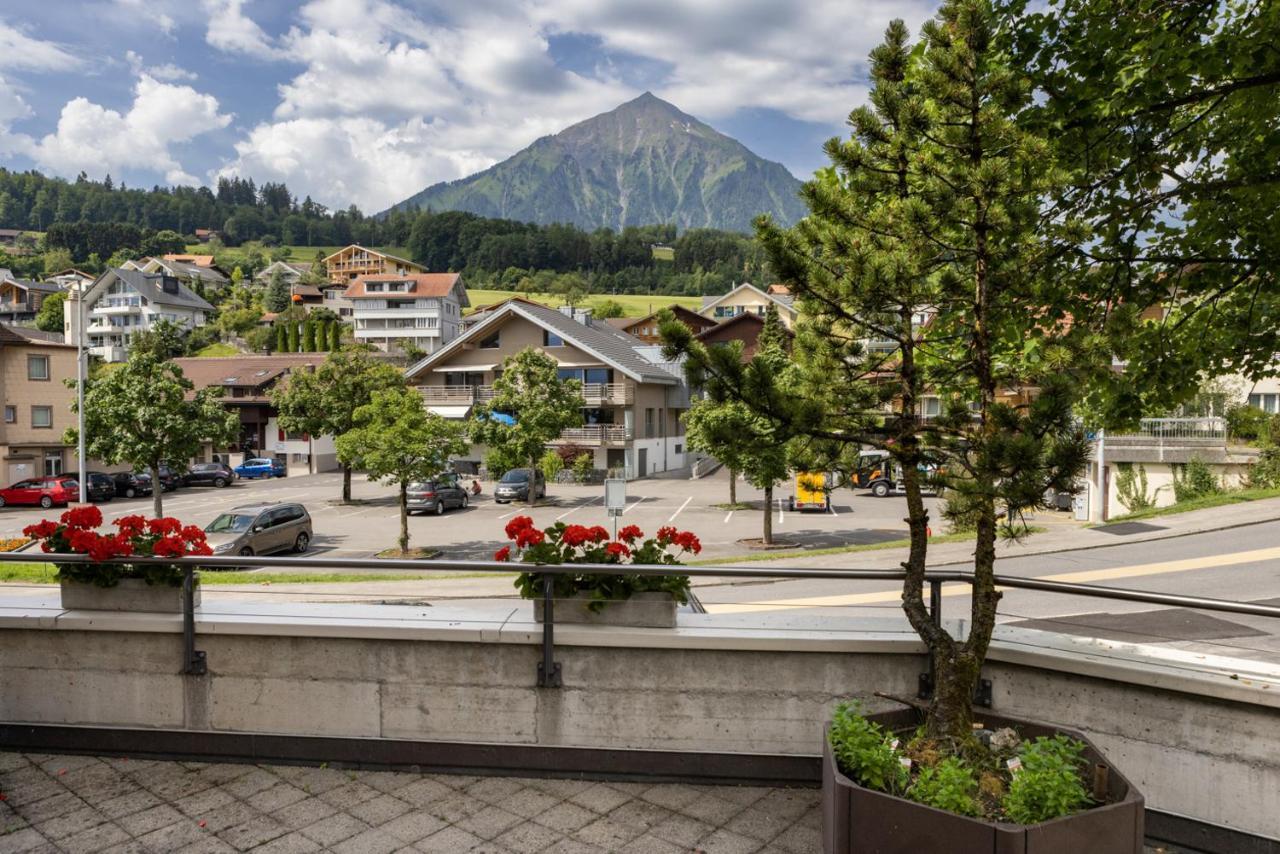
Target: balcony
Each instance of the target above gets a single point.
(605, 394)
(455, 395)
(598, 434)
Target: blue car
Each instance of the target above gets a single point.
(261, 467)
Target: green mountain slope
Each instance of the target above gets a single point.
(640, 164)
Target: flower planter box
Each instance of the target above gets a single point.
(131, 594)
(656, 610)
(856, 819)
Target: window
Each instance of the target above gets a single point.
(550, 339)
(53, 465)
(37, 367)
(930, 407)
(493, 342)
(648, 423)
(1265, 402)
(10, 414)
(42, 416)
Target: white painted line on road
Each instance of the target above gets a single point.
(728, 516)
(508, 515)
(673, 516)
(632, 507)
(781, 516)
(578, 507)
(832, 509)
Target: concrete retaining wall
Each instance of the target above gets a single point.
(1199, 743)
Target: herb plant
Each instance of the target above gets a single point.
(950, 785)
(866, 752)
(1050, 783)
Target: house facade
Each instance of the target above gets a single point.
(646, 328)
(37, 405)
(123, 302)
(246, 383)
(193, 275)
(351, 262)
(746, 298)
(631, 400)
(423, 310)
(291, 271)
(20, 299)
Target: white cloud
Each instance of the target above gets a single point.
(231, 30)
(165, 71)
(21, 51)
(98, 140)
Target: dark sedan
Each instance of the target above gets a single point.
(101, 487)
(168, 479)
(132, 483)
(209, 474)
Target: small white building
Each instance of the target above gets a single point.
(746, 298)
(421, 309)
(122, 302)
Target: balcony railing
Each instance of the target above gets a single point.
(599, 434)
(1207, 430)
(593, 394)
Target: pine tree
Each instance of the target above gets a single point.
(277, 298)
(773, 333)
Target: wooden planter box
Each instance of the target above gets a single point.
(131, 594)
(655, 610)
(855, 819)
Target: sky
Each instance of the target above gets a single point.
(368, 101)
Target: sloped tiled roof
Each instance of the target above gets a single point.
(198, 260)
(249, 371)
(29, 335)
(149, 287)
(424, 285)
(612, 346)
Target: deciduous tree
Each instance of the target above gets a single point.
(140, 414)
(324, 402)
(396, 439)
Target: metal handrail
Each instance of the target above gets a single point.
(548, 669)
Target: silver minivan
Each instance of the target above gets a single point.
(259, 529)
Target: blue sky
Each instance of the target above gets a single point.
(368, 101)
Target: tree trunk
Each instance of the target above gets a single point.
(404, 517)
(768, 515)
(533, 482)
(346, 483)
(157, 491)
(733, 487)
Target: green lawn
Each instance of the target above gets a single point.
(219, 348)
(633, 305)
(1220, 499)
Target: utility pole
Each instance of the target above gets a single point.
(80, 372)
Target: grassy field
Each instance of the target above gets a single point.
(633, 305)
(296, 253)
(219, 348)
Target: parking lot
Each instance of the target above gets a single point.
(371, 524)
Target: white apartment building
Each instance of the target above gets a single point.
(421, 309)
(123, 302)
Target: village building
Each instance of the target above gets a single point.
(123, 302)
(746, 298)
(422, 310)
(354, 261)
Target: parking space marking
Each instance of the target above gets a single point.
(673, 516)
(781, 517)
(578, 507)
(633, 506)
(728, 516)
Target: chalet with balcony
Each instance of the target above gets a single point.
(291, 271)
(746, 298)
(246, 383)
(20, 299)
(122, 302)
(423, 310)
(631, 399)
(351, 262)
(646, 328)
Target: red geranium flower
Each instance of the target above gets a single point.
(630, 534)
(168, 547)
(131, 525)
(688, 541)
(617, 549)
(42, 530)
(518, 524)
(81, 540)
(193, 533)
(529, 537)
(164, 526)
(575, 535)
(82, 517)
(666, 534)
(503, 553)
(598, 534)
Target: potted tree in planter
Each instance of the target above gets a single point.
(620, 600)
(939, 323)
(118, 586)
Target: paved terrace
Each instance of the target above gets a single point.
(85, 804)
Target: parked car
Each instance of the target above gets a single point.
(261, 467)
(132, 483)
(168, 479)
(514, 486)
(437, 495)
(101, 487)
(44, 491)
(258, 529)
(209, 474)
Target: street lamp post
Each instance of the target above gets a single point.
(80, 371)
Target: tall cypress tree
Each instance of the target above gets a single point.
(308, 336)
(293, 335)
(282, 337)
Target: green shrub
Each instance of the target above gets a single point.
(865, 751)
(1248, 423)
(1131, 487)
(583, 467)
(551, 465)
(1050, 784)
(1265, 473)
(1194, 480)
(950, 785)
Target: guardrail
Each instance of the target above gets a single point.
(194, 662)
(595, 435)
(1210, 428)
(593, 394)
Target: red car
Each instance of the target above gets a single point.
(45, 491)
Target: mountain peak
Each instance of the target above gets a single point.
(643, 162)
